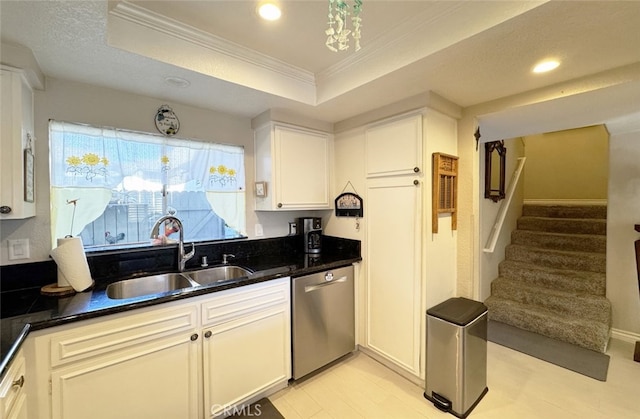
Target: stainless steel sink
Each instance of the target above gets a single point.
(218, 274)
(148, 285)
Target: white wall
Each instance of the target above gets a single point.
(350, 167)
(76, 102)
(623, 214)
(488, 212)
(440, 261)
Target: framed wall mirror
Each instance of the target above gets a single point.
(494, 169)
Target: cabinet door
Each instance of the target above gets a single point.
(247, 348)
(295, 164)
(142, 365)
(301, 169)
(394, 147)
(13, 389)
(17, 122)
(394, 229)
(19, 410)
(157, 380)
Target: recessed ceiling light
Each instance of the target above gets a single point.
(269, 11)
(177, 81)
(545, 66)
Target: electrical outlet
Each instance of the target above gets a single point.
(259, 231)
(19, 249)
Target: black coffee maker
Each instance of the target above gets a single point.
(311, 230)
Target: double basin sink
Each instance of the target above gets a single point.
(163, 283)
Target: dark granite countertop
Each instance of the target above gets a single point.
(25, 309)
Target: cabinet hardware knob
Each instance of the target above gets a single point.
(279, 204)
(5, 209)
(207, 334)
(19, 382)
(194, 337)
(416, 169)
(416, 182)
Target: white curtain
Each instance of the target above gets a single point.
(92, 167)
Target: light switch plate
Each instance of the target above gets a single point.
(259, 231)
(19, 249)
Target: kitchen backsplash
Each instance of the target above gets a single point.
(126, 263)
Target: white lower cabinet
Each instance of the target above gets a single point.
(247, 345)
(167, 361)
(13, 394)
(137, 366)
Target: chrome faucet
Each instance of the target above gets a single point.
(182, 257)
(225, 256)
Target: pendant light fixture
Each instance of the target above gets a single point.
(340, 13)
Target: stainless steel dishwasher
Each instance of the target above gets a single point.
(323, 319)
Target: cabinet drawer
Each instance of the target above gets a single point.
(238, 302)
(111, 335)
(11, 386)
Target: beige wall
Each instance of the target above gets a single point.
(567, 165)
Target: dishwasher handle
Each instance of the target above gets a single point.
(310, 288)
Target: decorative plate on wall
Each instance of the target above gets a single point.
(166, 121)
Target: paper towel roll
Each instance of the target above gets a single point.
(72, 263)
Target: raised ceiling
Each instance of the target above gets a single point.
(467, 52)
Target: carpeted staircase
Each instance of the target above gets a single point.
(552, 281)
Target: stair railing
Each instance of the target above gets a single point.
(504, 207)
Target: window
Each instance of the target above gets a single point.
(109, 186)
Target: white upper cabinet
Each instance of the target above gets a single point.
(395, 147)
(17, 176)
(294, 163)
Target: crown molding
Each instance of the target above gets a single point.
(164, 24)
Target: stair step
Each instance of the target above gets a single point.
(563, 225)
(565, 211)
(563, 303)
(581, 261)
(586, 333)
(561, 279)
(560, 241)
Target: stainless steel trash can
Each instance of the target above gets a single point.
(456, 375)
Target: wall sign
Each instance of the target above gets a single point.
(349, 205)
(166, 121)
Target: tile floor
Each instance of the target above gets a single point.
(520, 387)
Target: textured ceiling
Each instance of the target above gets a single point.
(466, 52)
